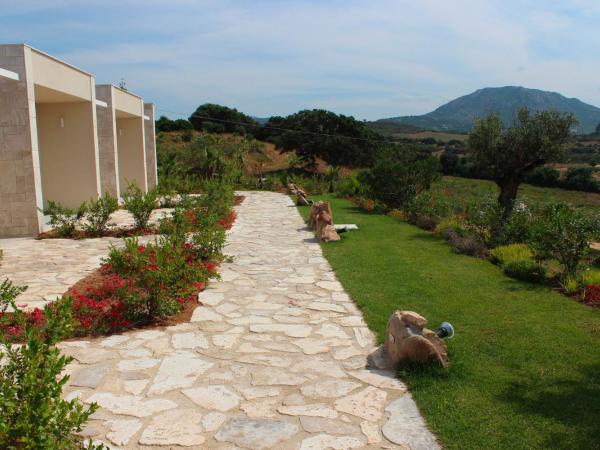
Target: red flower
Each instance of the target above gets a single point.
(37, 315)
(141, 248)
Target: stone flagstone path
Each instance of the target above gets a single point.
(275, 358)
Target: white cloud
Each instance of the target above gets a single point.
(370, 59)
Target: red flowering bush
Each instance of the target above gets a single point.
(592, 295)
(227, 221)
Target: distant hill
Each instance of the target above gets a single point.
(459, 114)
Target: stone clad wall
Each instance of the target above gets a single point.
(150, 145)
(107, 142)
(18, 161)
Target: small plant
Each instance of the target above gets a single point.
(140, 204)
(32, 413)
(570, 285)
(218, 198)
(62, 219)
(466, 245)
(512, 252)
(450, 223)
(562, 233)
(591, 295)
(98, 213)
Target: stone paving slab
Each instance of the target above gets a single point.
(275, 358)
(50, 266)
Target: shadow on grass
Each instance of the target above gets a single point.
(574, 402)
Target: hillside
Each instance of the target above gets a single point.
(459, 114)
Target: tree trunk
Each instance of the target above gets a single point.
(507, 197)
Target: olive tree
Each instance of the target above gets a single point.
(508, 155)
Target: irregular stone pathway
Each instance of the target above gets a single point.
(49, 267)
(275, 358)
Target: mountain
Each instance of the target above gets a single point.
(459, 114)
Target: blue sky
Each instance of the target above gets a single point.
(370, 59)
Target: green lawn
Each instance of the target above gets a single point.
(467, 190)
(525, 362)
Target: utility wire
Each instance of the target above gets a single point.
(258, 125)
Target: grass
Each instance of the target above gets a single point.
(525, 365)
(466, 190)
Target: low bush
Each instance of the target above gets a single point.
(450, 223)
(140, 204)
(517, 261)
(466, 245)
(217, 199)
(32, 413)
(98, 213)
(570, 285)
(513, 252)
(591, 295)
(62, 219)
(348, 187)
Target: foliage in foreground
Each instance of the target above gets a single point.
(32, 413)
(140, 204)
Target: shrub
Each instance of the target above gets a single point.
(562, 233)
(466, 245)
(581, 179)
(348, 187)
(32, 413)
(570, 285)
(98, 213)
(399, 174)
(544, 176)
(591, 295)
(512, 252)
(139, 204)
(218, 198)
(517, 261)
(450, 223)
(427, 208)
(62, 219)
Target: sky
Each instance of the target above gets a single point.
(370, 59)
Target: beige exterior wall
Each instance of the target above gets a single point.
(18, 161)
(150, 133)
(132, 160)
(42, 160)
(107, 142)
(67, 152)
(56, 75)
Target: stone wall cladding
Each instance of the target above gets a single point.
(109, 171)
(18, 208)
(150, 145)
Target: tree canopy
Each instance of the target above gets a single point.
(508, 155)
(338, 139)
(165, 124)
(399, 173)
(226, 120)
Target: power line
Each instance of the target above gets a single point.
(258, 125)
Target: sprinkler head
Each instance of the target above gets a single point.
(445, 330)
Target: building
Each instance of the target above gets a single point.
(64, 138)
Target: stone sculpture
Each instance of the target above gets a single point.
(407, 339)
(321, 220)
